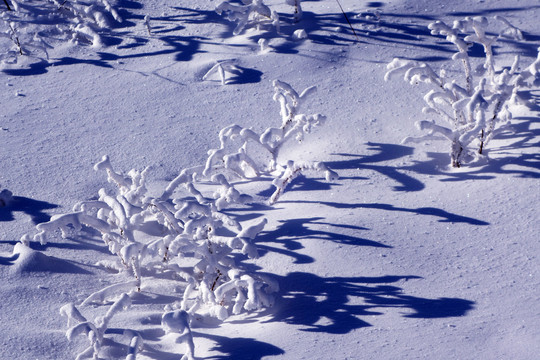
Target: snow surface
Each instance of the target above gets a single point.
(401, 258)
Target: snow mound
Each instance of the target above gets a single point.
(28, 260)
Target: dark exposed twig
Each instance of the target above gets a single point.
(347, 18)
(481, 142)
(7, 5)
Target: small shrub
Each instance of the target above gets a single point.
(33, 27)
(475, 106)
(252, 14)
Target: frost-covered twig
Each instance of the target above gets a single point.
(147, 24)
(15, 37)
(94, 331)
(121, 304)
(91, 332)
(248, 293)
(136, 344)
(108, 293)
(292, 171)
(510, 31)
(73, 314)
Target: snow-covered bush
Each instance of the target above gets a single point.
(475, 105)
(184, 230)
(31, 27)
(240, 160)
(187, 236)
(148, 232)
(252, 14)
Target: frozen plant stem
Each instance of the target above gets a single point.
(147, 24)
(15, 38)
(297, 9)
(7, 5)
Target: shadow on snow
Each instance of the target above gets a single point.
(335, 305)
(33, 208)
(289, 234)
(384, 152)
(239, 348)
(428, 211)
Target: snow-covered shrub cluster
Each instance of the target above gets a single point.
(255, 14)
(31, 27)
(475, 104)
(184, 230)
(235, 157)
(251, 14)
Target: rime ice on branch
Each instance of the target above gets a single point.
(93, 330)
(177, 322)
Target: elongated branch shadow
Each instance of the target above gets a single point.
(428, 211)
(288, 237)
(383, 153)
(240, 348)
(336, 305)
(33, 208)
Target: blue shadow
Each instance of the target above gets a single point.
(33, 208)
(239, 348)
(287, 238)
(301, 304)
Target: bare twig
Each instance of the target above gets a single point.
(347, 18)
(7, 5)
